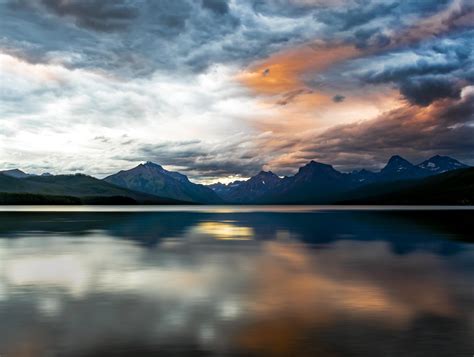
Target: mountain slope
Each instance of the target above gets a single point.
(398, 168)
(86, 188)
(153, 179)
(363, 177)
(449, 188)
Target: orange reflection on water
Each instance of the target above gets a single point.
(224, 231)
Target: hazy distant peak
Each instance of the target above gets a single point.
(17, 173)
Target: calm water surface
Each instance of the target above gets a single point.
(223, 281)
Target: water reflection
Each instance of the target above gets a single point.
(226, 230)
(331, 283)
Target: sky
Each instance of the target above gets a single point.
(221, 89)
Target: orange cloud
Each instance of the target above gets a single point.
(282, 72)
(279, 81)
(297, 112)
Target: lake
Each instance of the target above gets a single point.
(236, 281)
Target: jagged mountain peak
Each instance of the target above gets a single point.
(265, 174)
(397, 163)
(397, 159)
(398, 168)
(316, 163)
(152, 178)
(154, 168)
(315, 167)
(248, 190)
(440, 164)
(362, 171)
(151, 164)
(264, 178)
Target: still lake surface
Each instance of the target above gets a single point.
(236, 281)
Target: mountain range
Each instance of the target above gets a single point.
(321, 183)
(438, 180)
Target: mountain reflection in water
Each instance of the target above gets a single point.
(327, 283)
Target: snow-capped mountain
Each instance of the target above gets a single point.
(439, 164)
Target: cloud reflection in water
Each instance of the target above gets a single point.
(218, 288)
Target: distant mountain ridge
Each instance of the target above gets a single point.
(320, 183)
(153, 179)
(250, 190)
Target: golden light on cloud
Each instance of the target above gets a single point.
(300, 96)
(282, 72)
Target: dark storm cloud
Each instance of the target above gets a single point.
(104, 15)
(356, 16)
(424, 90)
(371, 24)
(446, 128)
(137, 38)
(218, 6)
(428, 72)
(210, 31)
(128, 38)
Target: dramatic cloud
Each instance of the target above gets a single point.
(446, 127)
(439, 69)
(219, 89)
